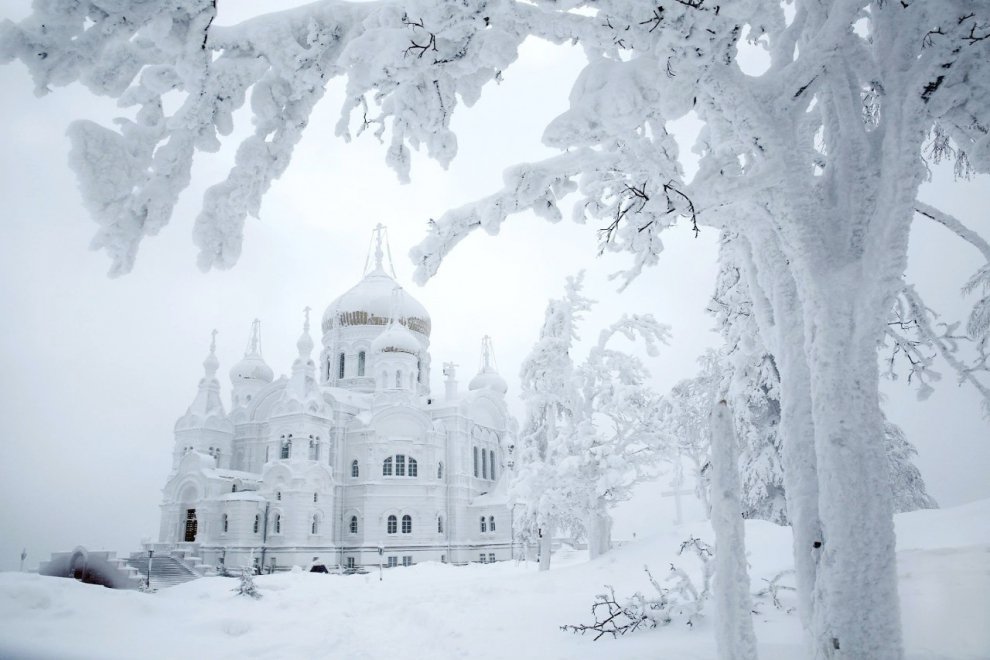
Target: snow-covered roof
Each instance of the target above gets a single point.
(236, 474)
(396, 339)
(369, 302)
(243, 495)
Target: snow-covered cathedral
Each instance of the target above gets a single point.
(349, 459)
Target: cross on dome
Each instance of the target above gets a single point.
(211, 363)
(254, 343)
(305, 343)
(379, 237)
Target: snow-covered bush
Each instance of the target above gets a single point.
(246, 585)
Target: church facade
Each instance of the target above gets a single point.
(349, 460)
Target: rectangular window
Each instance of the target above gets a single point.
(350, 562)
(361, 363)
(484, 464)
(491, 557)
(443, 559)
(407, 560)
(400, 465)
(475, 462)
(340, 366)
(481, 558)
(393, 562)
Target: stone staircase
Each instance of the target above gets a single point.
(169, 567)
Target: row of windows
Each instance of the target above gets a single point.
(400, 466)
(314, 527)
(394, 561)
(396, 466)
(490, 527)
(391, 524)
(487, 463)
(491, 558)
(362, 360)
(285, 448)
(278, 494)
(342, 363)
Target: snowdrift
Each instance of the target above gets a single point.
(495, 611)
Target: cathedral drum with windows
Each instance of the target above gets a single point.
(349, 460)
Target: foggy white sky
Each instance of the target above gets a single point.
(95, 371)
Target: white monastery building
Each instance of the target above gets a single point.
(350, 459)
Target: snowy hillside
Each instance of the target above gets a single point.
(503, 610)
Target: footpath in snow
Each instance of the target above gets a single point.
(496, 611)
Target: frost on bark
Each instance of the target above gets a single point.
(734, 636)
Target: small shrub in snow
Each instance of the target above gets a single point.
(684, 600)
(772, 592)
(247, 586)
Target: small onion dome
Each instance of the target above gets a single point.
(488, 378)
(369, 302)
(396, 339)
(251, 367)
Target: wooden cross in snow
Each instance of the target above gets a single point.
(676, 493)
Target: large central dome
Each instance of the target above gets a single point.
(370, 302)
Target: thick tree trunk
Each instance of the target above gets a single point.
(800, 465)
(857, 614)
(599, 529)
(734, 636)
(779, 313)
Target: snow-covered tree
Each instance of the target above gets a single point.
(906, 484)
(590, 427)
(814, 162)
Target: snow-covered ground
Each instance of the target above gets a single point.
(505, 610)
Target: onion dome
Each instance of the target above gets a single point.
(396, 339)
(252, 367)
(488, 377)
(370, 301)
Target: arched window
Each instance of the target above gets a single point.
(491, 523)
(419, 370)
(314, 449)
(483, 526)
(439, 470)
(439, 524)
(329, 367)
(387, 467)
(216, 455)
(361, 359)
(398, 379)
(400, 465)
(316, 497)
(277, 525)
(355, 471)
(491, 463)
(407, 524)
(392, 525)
(315, 526)
(340, 366)
(354, 525)
(257, 522)
(233, 488)
(476, 462)
(286, 448)
(225, 523)
(412, 467)
(484, 464)
(278, 496)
